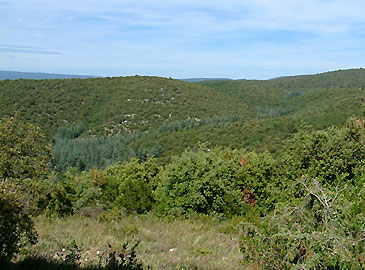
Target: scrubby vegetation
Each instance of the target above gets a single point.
(140, 115)
(216, 204)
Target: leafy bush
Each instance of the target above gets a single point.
(202, 182)
(136, 184)
(23, 163)
(333, 155)
(323, 230)
(87, 191)
(60, 199)
(123, 260)
(16, 226)
(23, 153)
(257, 177)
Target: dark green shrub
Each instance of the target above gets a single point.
(108, 186)
(126, 259)
(23, 163)
(256, 177)
(23, 153)
(136, 184)
(333, 155)
(16, 226)
(72, 193)
(60, 199)
(322, 230)
(201, 182)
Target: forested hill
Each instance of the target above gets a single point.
(115, 105)
(163, 117)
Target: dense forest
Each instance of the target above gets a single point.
(135, 116)
(273, 171)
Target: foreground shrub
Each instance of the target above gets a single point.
(201, 182)
(16, 226)
(256, 176)
(23, 164)
(73, 258)
(60, 199)
(136, 183)
(323, 230)
(23, 153)
(71, 193)
(333, 155)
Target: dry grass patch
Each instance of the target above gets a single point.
(195, 243)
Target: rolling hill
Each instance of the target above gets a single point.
(139, 115)
(115, 105)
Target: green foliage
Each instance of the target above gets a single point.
(22, 151)
(136, 184)
(174, 114)
(201, 182)
(124, 259)
(60, 198)
(112, 105)
(88, 153)
(127, 186)
(23, 162)
(87, 193)
(315, 232)
(268, 112)
(333, 155)
(257, 176)
(192, 123)
(16, 226)
(71, 132)
(70, 258)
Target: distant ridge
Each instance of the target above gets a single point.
(205, 79)
(14, 75)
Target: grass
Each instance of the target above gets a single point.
(194, 243)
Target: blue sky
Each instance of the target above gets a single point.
(182, 39)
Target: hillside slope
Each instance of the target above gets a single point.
(114, 105)
(164, 117)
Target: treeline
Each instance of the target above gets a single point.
(69, 150)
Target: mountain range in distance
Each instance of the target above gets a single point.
(14, 75)
(205, 79)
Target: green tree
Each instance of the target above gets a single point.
(23, 153)
(202, 182)
(334, 155)
(16, 226)
(23, 161)
(136, 184)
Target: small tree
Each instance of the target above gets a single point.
(201, 182)
(23, 153)
(23, 160)
(333, 155)
(136, 184)
(16, 227)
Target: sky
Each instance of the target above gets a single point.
(238, 39)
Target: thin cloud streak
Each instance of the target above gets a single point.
(28, 51)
